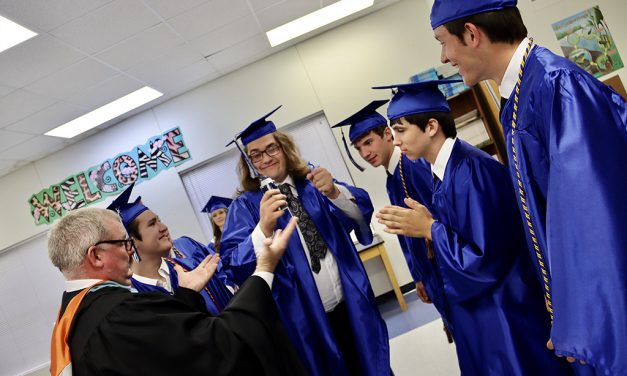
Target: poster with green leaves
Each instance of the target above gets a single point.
(586, 40)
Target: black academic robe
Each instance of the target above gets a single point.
(116, 332)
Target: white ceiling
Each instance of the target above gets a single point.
(90, 52)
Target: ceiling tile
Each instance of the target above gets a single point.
(105, 92)
(34, 59)
(66, 82)
(154, 42)
(4, 90)
(226, 36)
(47, 119)
(258, 5)
(47, 15)
(175, 81)
(241, 54)
(19, 104)
(168, 8)
(107, 25)
(33, 149)
(177, 58)
(282, 13)
(208, 17)
(9, 139)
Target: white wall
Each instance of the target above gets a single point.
(331, 72)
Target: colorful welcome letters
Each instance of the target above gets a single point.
(110, 177)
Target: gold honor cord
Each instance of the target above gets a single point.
(428, 244)
(521, 190)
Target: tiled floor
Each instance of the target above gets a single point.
(418, 346)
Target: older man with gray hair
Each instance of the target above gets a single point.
(105, 327)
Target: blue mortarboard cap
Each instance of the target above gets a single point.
(127, 210)
(364, 120)
(444, 11)
(417, 98)
(258, 128)
(215, 203)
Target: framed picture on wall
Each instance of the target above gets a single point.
(586, 40)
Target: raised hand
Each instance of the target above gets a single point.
(268, 213)
(269, 256)
(323, 181)
(414, 221)
(199, 277)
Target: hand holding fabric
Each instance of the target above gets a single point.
(323, 181)
(198, 278)
(268, 210)
(414, 221)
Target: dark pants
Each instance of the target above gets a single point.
(341, 326)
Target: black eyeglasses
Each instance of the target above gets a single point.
(129, 244)
(271, 150)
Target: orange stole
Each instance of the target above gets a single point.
(60, 357)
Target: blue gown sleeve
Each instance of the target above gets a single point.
(406, 246)
(473, 229)
(362, 199)
(586, 216)
(238, 253)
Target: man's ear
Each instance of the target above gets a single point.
(433, 126)
(93, 256)
(472, 34)
(387, 133)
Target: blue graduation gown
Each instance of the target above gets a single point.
(571, 141)
(186, 247)
(215, 294)
(294, 289)
(419, 182)
(494, 300)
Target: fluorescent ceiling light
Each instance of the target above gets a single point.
(105, 113)
(316, 20)
(12, 34)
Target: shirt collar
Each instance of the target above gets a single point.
(396, 156)
(288, 180)
(441, 160)
(79, 284)
(164, 271)
(511, 73)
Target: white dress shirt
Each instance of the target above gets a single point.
(511, 73)
(441, 160)
(328, 279)
(394, 159)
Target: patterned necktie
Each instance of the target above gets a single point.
(315, 244)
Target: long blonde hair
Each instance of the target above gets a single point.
(296, 166)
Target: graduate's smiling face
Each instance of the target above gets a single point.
(462, 54)
(268, 157)
(154, 234)
(413, 141)
(218, 217)
(375, 149)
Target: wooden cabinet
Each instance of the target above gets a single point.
(476, 114)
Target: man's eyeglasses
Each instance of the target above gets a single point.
(271, 150)
(129, 246)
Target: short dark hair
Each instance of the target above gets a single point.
(502, 26)
(447, 123)
(379, 131)
(133, 229)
